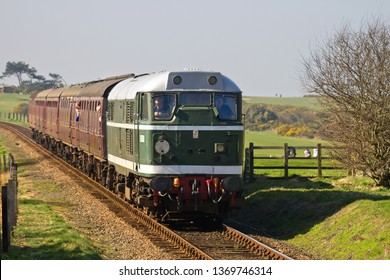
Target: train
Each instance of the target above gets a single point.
(169, 142)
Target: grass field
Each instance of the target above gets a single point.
(309, 102)
(276, 156)
(8, 101)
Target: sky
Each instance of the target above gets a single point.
(258, 44)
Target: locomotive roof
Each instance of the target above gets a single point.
(166, 81)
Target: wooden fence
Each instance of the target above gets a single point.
(9, 205)
(289, 155)
(14, 117)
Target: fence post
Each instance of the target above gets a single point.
(251, 161)
(14, 176)
(246, 167)
(319, 157)
(11, 197)
(5, 163)
(285, 160)
(5, 227)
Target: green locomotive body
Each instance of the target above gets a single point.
(185, 161)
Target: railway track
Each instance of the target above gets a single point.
(188, 242)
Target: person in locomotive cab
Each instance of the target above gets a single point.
(224, 111)
(162, 109)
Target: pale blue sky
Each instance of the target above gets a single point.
(259, 44)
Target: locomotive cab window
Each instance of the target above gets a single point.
(195, 99)
(226, 105)
(164, 106)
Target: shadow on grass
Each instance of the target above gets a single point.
(27, 162)
(283, 209)
(46, 252)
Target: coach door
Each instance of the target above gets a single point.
(74, 122)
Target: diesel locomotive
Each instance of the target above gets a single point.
(169, 142)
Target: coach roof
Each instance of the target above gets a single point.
(94, 88)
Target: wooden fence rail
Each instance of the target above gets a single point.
(289, 154)
(9, 205)
(14, 117)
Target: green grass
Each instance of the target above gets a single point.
(308, 102)
(332, 219)
(276, 156)
(362, 227)
(8, 101)
(42, 233)
(270, 138)
(2, 150)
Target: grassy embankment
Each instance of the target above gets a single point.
(332, 218)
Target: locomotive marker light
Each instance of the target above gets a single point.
(176, 182)
(219, 148)
(162, 147)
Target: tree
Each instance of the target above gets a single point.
(36, 82)
(351, 75)
(18, 69)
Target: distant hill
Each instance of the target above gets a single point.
(307, 102)
(288, 116)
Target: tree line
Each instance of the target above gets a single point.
(285, 120)
(28, 78)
